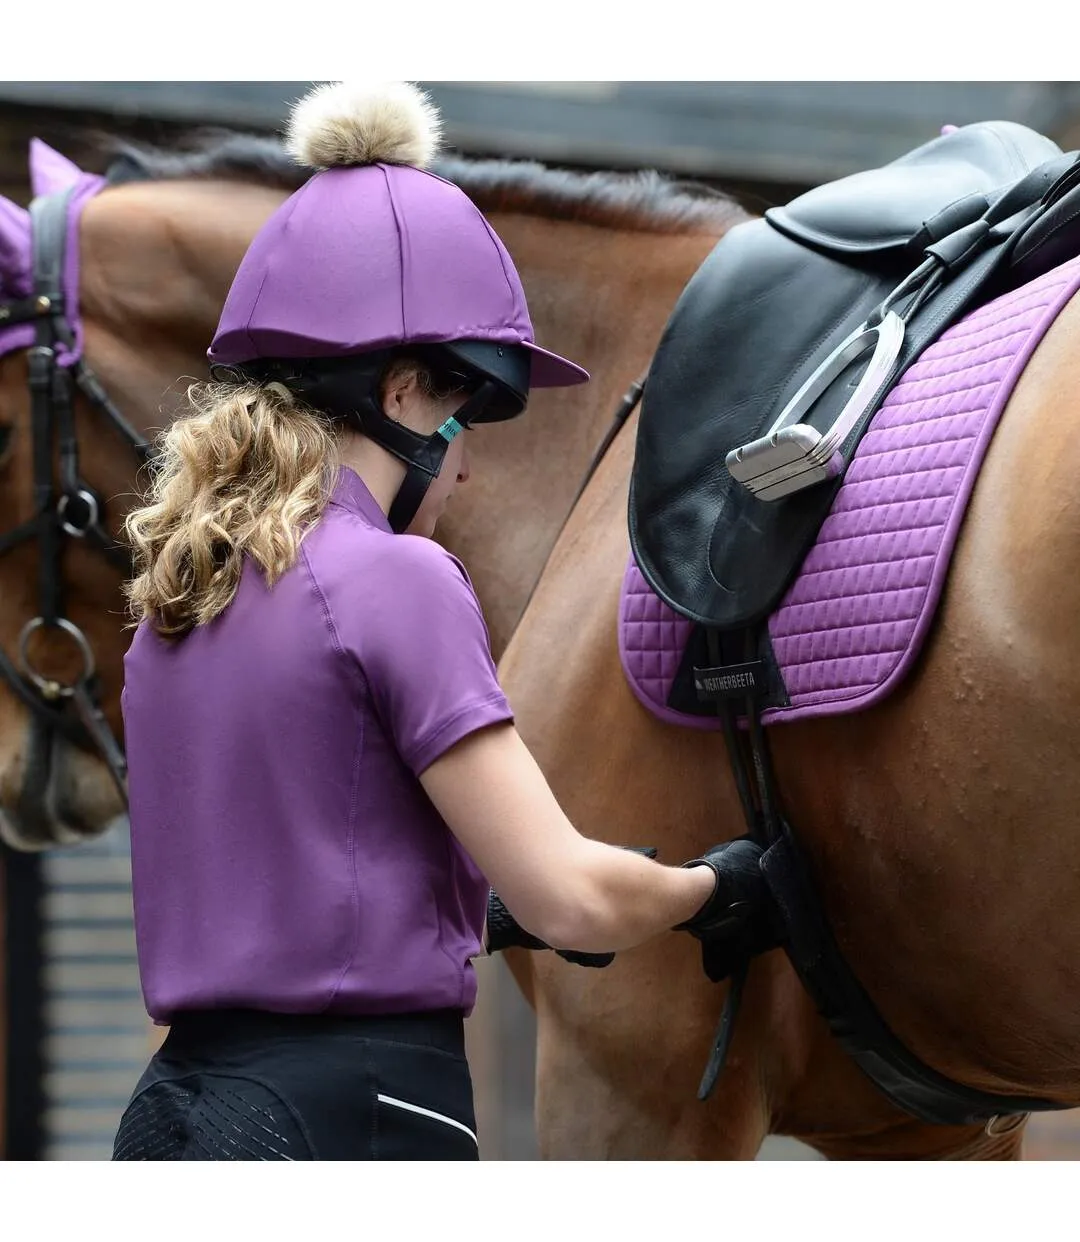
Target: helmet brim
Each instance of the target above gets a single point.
(552, 371)
(516, 369)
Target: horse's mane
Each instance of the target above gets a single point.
(643, 201)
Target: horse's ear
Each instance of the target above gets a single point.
(49, 170)
(14, 249)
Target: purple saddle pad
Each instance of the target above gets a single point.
(851, 624)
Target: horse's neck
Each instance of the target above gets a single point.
(602, 297)
(157, 259)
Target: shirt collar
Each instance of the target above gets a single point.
(351, 492)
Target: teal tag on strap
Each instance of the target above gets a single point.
(450, 429)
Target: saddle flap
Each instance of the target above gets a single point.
(916, 199)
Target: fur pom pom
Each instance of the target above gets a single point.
(345, 123)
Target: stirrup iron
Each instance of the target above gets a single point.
(793, 455)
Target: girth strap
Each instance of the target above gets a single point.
(797, 914)
(731, 956)
(852, 1016)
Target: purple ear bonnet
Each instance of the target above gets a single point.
(15, 281)
(50, 173)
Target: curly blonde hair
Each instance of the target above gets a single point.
(248, 473)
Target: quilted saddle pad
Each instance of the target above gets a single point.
(850, 626)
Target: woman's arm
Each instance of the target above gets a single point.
(572, 892)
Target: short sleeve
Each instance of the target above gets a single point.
(423, 647)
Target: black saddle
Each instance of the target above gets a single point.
(787, 339)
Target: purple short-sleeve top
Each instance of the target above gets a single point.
(284, 853)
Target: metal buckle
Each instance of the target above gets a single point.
(49, 687)
(793, 455)
(89, 500)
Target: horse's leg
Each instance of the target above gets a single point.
(621, 1050)
(619, 1059)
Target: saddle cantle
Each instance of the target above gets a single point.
(786, 340)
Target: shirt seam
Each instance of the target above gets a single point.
(462, 969)
(354, 785)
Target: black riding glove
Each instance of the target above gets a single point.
(505, 932)
(738, 920)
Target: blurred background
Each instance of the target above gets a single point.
(79, 1037)
(762, 141)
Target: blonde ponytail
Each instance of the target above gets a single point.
(247, 473)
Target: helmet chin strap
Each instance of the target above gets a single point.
(423, 455)
(421, 469)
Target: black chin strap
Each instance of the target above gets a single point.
(423, 455)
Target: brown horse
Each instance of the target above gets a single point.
(943, 840)
(603, 258)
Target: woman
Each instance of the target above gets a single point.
(325, 777)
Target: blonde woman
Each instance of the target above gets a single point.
(325, 776)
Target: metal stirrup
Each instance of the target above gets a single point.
(793, 455)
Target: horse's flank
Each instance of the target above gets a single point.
(940, 828)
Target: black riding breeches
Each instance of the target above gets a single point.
(246, 1085)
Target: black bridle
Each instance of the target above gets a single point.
(65, 506)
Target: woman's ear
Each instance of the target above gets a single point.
(399, 390)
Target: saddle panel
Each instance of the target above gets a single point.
(709, 389)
